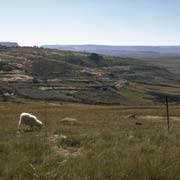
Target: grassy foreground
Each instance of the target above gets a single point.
(102, 144)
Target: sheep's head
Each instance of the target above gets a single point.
(41, 125)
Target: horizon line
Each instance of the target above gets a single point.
(89, 44)
(109, 45)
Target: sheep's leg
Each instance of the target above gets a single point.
(19, 124)
(39, 128)
(19, 128)
(31, 128)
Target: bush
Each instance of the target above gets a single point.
(5, 66)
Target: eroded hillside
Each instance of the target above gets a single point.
(65, 76)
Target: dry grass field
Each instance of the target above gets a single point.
(101, 143)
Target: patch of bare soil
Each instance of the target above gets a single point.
(69, 151)
(15, 77)
(68, 120)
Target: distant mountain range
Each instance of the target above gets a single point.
(9, 44)
(128, 51)
(118, 50)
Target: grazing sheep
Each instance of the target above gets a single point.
(29, 120)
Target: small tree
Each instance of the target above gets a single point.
(95, 57)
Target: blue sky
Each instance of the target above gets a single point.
(112, 22)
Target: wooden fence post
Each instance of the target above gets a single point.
(167, 113)
(45, 116)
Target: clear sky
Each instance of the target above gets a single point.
(111, 22)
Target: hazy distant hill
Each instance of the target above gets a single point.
(9, 44)
(118, 50)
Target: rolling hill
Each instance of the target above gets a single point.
(76, 77)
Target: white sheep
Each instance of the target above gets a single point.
(29, 120)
